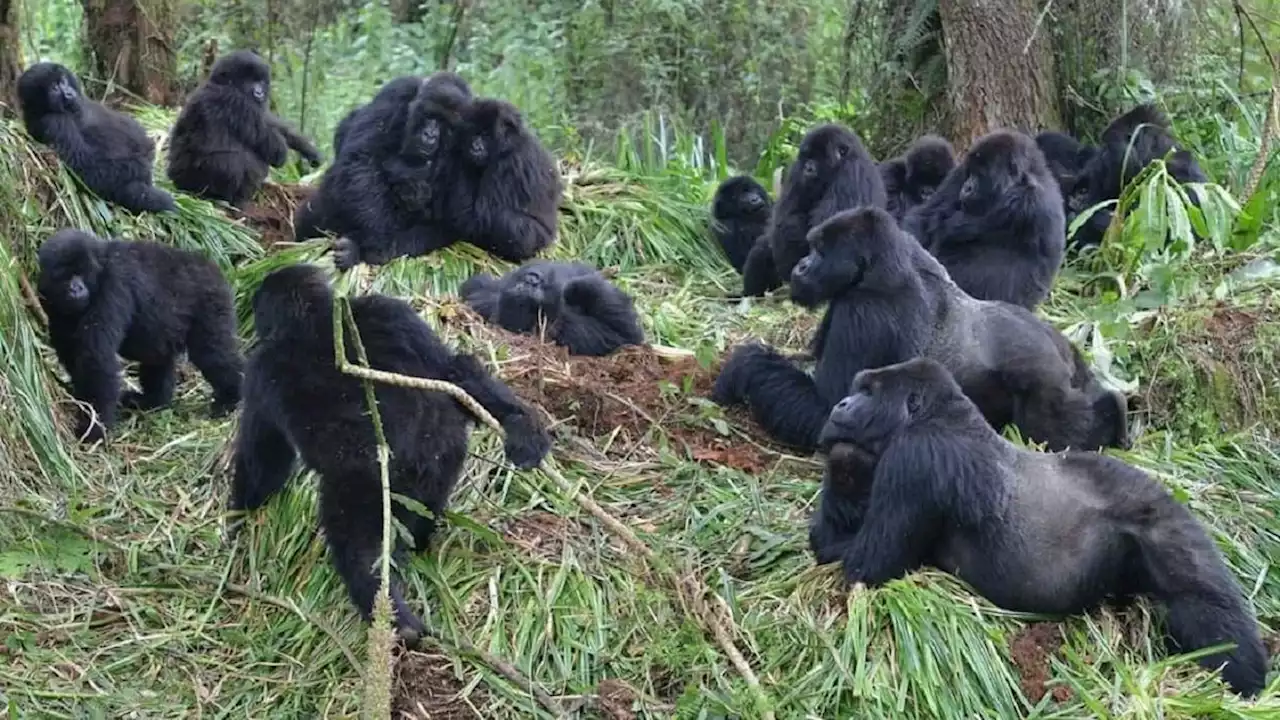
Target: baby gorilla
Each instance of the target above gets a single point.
(225, 137)
(580, 309)
(145, 301)
(1031, 532)
(298, 403)
(912, 179)
(739, 213)
(108, 150)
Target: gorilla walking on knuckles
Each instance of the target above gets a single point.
(146, 302)
(832, 173)
(226, 137)
(297, 403)
(108, 150)
(889, 301)
(739, 216)
(580, 309)
(1031, 532)
(996, 223)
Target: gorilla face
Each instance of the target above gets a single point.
(846, 252)
(821, 152)
(495, 129)
(884, 402)
(994, 165)
(532, 293)
(70, 269)
(245, 71)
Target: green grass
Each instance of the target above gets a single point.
(120, 594)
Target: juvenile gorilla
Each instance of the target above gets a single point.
(146, 302)
(508, 194)
(890, 301)
(387, 192)
(1129, 144)
(1031, 532)
(996, 223)
(831, 173)
(912, 179)
(739, 213)
(581, 310)
(1066, 157)
(225, 137)
(108, 150)
(298, 403)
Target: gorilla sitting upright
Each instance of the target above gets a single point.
(917, 477)
(579, 308)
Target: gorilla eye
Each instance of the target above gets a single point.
(913, 403)
(842, 151)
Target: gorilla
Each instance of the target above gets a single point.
(1031, 532)
(508, 191)
(146, 302)
(387, 193)
(888, 301)
(911, 180)
(297, 403)
(1129, 144)
(832, 172)
(226, 137)
(581, 310)
(108, 150)
(996, 223)
(739, 212)
(1066, 158)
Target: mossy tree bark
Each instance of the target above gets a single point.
(10, 57)
(131, 46)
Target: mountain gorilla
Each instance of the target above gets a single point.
(226, 137)
(508, 192)
(831, 173)
(1129, 144)
(997, 222)
(143, 301)
(108, 150)
(581, 310)
(298, 403)
(739, 213)
(889, 301)
(912, 179)
(1031, 532)
(1066, 158)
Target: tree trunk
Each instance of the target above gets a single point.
(10, 62)
(1000, 68)
(131, 44)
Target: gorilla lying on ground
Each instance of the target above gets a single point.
(739, 213)
(108, 150)
(997, 222)
(387, 193)
(581, 310)
(889, 301)
(1031, 532)
(226, 137)
(913, 178)
(146, 302)
(832, 172)
(298, 403)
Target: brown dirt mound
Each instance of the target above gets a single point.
(1030, 651)
(427, 689)
(271, 214)
(615, 700)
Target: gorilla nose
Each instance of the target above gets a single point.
(802, 267)
(845, 405)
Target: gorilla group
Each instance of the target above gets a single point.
(108, 150)
(916, 476)
(424, 164)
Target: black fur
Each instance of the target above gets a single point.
(579, 308)
(108, 150)
(1031, 532)
(832, 172)
(297, 403)
(739, 213)
(143, 301)
(226, 137)
(387, 193)
(893, 172)
(927, 163)
(996, 223)
(888, 301)
(508, 195)
(1066, 158)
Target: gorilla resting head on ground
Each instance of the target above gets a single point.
(889, 301)
(1031, 532)
(578, 307)
(996, 223)
(143, 301)
(226, 138)
(108, 150)
(832, 172)
(739, 213)
(297, 403)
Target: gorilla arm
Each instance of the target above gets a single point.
(596, 318)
